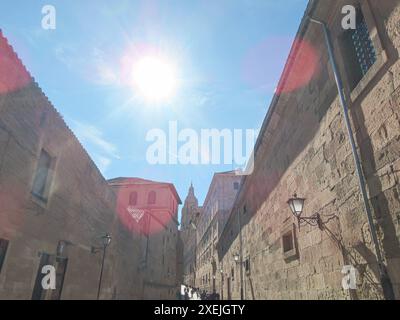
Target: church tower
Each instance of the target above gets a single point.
(188, 232)
(190, 207)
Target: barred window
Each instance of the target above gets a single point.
(3, 251)
(360, 53)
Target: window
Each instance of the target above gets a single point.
(236, 185)
(289, 248)
(61, 269)
(38, 292)
(152, 197)
(3, 251)
(287, 241)
(60, 265)
(247, 265)
(233, 274)
(43, 118)
(360, 53)
(42, 181)
(133, 198)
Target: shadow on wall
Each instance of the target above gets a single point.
(367, 279)
(295, 139)
(287, 144)
(373, 161)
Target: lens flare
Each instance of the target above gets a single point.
(13, 75)
(304, 68)
(154, 78)
(263, 65)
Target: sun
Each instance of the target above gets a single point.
(154, 78)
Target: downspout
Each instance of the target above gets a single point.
(386, 284)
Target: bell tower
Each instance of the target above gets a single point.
(189, 209)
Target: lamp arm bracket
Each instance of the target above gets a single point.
(314, 220)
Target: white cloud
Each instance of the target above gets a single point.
(94, 67)
(105, 74)
(89, 134)
(68, 55)
(102, 163)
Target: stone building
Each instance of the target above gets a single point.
(209, 225)
(54, 203)
(190, 215)
(149, 210)
(303, 148)
(179, 260)
(55, 206)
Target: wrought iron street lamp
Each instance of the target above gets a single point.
(193, 225)
(106, 240)
(297, 205)
(238, 260)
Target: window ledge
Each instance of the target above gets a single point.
(39, 200)
(370, 75)
(290, 255)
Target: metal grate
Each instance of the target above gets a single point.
(364, 48)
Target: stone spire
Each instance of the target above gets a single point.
(191, 198)
(189, 207)
(191, 190)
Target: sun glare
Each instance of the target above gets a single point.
(154, 78)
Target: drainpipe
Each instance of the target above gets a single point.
(240, 255)
(385, 281)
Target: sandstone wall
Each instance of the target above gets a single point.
(80, 206)
(305, 149)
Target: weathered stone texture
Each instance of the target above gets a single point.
(80, 206)
(306, 150)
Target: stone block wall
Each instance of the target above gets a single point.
(80, 208)
(305, 149)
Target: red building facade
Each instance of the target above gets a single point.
(149, 210)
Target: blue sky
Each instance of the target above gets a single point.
(228, 55)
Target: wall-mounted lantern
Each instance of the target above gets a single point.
(297, 205)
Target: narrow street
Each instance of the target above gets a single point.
(200, 150)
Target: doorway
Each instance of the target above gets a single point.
(228, 287)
